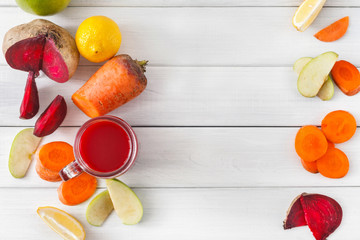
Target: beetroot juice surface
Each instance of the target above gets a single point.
(105, 146)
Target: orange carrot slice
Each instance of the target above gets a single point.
(338, 126)
(346, 77)
(46, 174)
(334, 31)
(334, 164)
(310, 166)
(77, 190)
(56, 155)
(310, 143)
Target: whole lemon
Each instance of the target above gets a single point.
(98, 38)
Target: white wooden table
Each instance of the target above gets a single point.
(216, 123)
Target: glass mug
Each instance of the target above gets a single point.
(104, 147)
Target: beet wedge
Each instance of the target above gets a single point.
(30, 103)
(322, 214)
(51, 118)
(295, 216)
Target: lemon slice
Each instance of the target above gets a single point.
(63, 223)
(306, 13)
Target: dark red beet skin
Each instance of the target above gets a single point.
(30, 103)
(51, 118)
(323, 214)
(295, 215)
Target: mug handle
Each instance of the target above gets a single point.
(73, 169)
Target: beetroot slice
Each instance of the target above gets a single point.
(53, 65)
(322, 214)
(26, 55)
(51, 118)
(30, 103)
(295, 216)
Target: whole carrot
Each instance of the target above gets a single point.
(118, 81)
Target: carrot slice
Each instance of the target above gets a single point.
(330, 144)
(56, 155)
(346, 77)
(334, 31)
(77, 190)
(310, 166)
(46, 174)
(310, 143)
(334, 164)
(338, 126)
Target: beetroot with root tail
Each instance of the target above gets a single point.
(321, 213)
(30, 103)
(51, 118)
(40, 45)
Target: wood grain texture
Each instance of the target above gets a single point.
(195, 3)
(183, 214)
(245, 36)
(205, 157)
(190, 96)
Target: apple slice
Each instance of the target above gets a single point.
(23, 147)
(315, 73)
(99, 209)
(126, 204)
(327, 90)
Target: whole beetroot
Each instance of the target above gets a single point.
(40, 45)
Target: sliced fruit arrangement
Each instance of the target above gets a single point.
(307, 13)
(316, 75)
(119, 197)
(118, 81)
(320, 213)
(313, 73)
(62, 223)
(326, 92)
(334, 31)
(51, 158)
(316, 147)
(22, 149)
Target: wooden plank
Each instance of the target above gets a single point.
(190, 96)
(193, 3)
(206, 157)
(194, 37)
(182, 214)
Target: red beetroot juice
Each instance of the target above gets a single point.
(105, 146)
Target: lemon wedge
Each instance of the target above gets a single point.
(61, 222)
(306, 13)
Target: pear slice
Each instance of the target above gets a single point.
(126, 204)
(23, 147)
(315, 73)
(327, 90)
(99, 209)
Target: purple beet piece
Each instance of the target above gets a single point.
(30, 103)
(295, 216)
(51, 118)
(322, 214)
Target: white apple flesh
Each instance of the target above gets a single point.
(23, 147)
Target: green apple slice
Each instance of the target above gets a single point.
(300, 64)
(327, 90)
(315, 73)
(99, 209)
(23, 147)
(126, 204)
